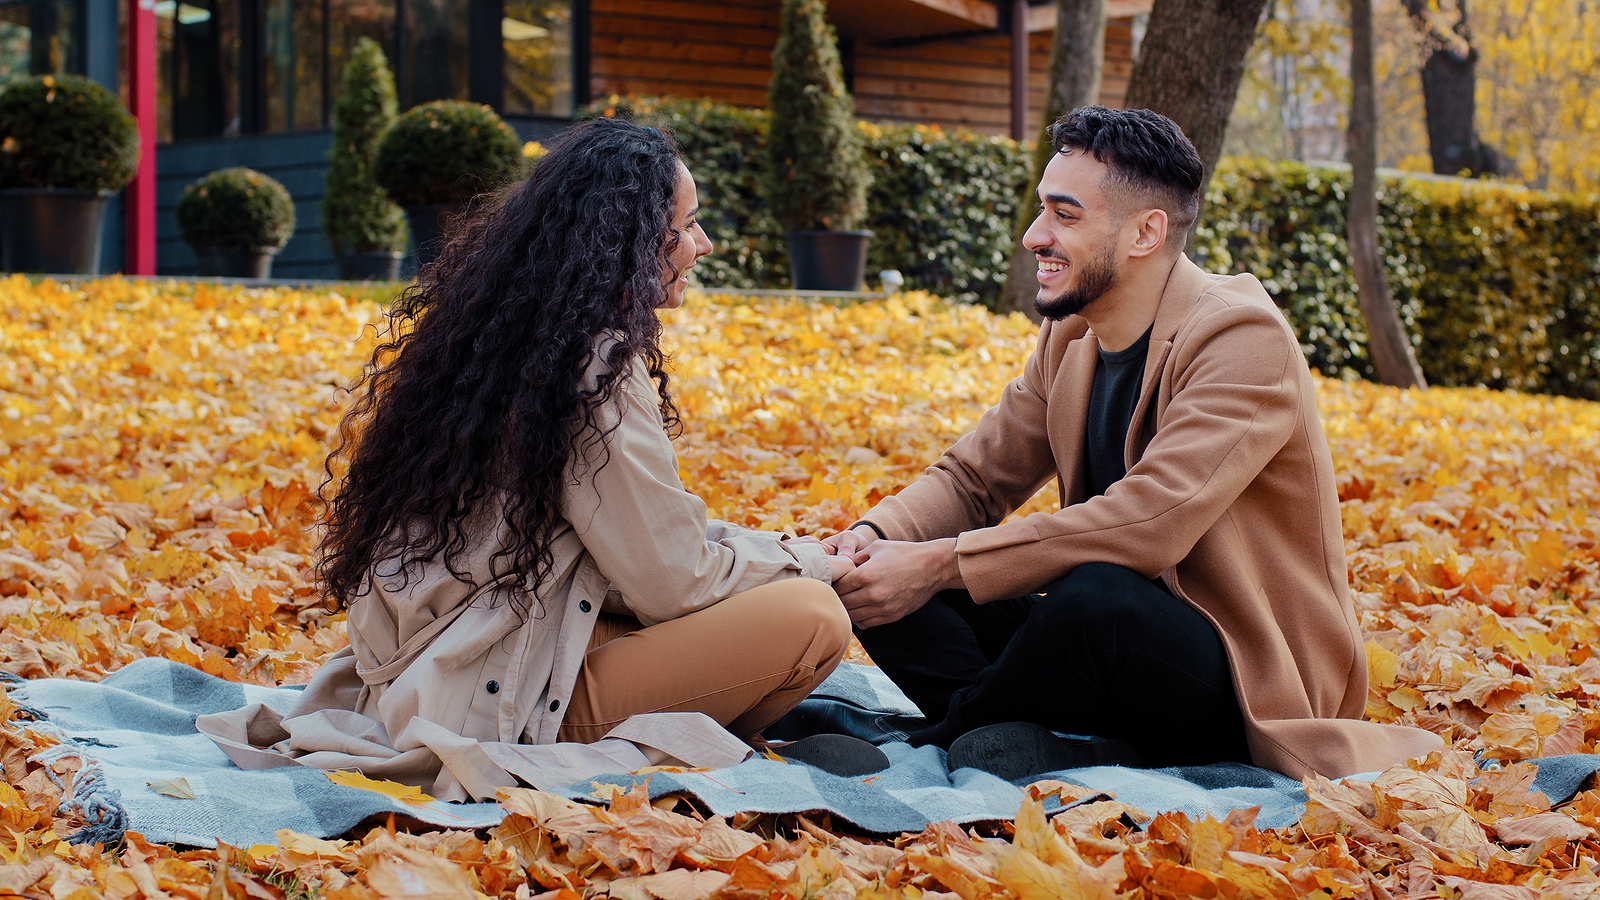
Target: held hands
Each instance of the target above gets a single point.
(893, 579)
(840, 563)
(851, 543)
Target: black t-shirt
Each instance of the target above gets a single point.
(1117, 379)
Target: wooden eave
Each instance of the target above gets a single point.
(909, 20)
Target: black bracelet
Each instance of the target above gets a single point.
(879, 531)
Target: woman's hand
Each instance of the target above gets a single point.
(851, 543)
(841, 566)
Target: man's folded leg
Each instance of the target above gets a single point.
(1109, 653)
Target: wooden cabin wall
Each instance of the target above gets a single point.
(722, 49)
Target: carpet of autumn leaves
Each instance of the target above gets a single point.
(160, 449)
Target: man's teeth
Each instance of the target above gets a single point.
(1051, 266)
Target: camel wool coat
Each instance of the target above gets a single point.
(1229, 498)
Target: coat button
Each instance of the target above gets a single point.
(492, 687)
(583, 606)
(555, 705)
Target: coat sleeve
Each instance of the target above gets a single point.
(650, 537)
(1234, 403)
(987, 473)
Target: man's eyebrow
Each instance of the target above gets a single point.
(1068, 199)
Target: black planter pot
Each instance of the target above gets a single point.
(51, 231)
(234, 262)
(428, 222)
(382, 265)
(828, 260)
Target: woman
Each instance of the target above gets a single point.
(519, 562)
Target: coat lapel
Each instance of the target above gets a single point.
(1184, 285)
(1069, 414)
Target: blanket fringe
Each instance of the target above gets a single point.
(99, 804)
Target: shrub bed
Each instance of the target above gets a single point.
(1497, 286)
(940, 205)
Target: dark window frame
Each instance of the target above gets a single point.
(485, 64)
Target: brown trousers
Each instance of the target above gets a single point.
(744, 662)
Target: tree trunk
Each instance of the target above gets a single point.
(1189, 67)
(1076, 59)
(1386, 337)
(1449, 93)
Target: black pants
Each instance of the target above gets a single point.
(1104, 652)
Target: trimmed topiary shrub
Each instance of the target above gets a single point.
(816, 178)
(65, 132)
(239, 208)
(446, 152)
(357, 215)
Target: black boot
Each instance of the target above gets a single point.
(1014, 750)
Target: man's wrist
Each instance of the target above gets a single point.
(870, 532)
(949, 565)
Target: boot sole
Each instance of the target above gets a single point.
(836, 754)
(1014, 750)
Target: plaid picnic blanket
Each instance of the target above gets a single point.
(137, 727)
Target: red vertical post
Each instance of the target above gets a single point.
(141, 195)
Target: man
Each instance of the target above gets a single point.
(1192, 604)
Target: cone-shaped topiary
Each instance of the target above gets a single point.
(357, 215)
(817, 175)
(447, 151)
(236, 207)
(65, 132)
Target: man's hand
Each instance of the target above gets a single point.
(893, 579)
(851, 543)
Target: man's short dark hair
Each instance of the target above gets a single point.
(1145, 151)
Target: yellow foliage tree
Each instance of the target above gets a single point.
(1538, 72)
(1539, 77)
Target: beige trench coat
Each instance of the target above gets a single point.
(1229, 498)
(437, 689)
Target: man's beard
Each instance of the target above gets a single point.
(1093, 280)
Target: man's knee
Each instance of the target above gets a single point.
(1096, 596)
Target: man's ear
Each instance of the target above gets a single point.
(1149, 231)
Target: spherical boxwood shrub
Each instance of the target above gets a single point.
(447, 151)
(236, 207)
(65, 132)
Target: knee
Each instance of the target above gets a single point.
(815, 606)
(1096, 596)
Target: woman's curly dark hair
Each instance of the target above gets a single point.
(475, 393)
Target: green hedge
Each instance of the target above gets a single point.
(1497, 286)
(940, 205)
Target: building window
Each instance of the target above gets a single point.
(231, 67)
(40, 37)
(537, 37)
